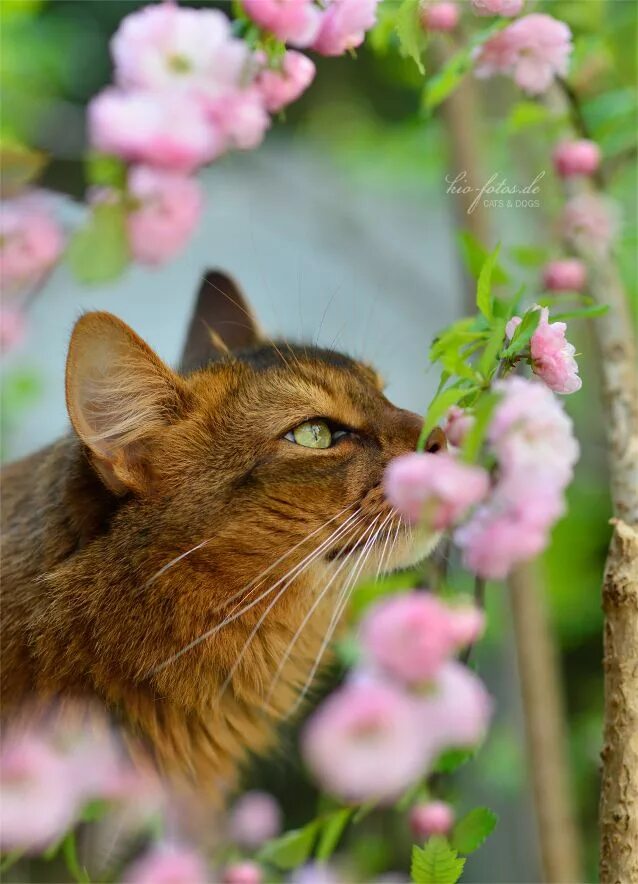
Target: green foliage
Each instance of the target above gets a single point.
(408, 26)
(447, 79)
(291, 849)
(484, 300)
(471, 830)
(476, 434)
(452, 759)
(475, 255)
(436, 863)
(104, 170)
(99, 251)
(331, 831)
(523, 334)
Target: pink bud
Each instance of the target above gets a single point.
(242, 873)
(507, 8)
(566, 275)
(511, 326)
(433, 818)
(12, 328)
(254, 819)
(457, 424)
(440, 16)
(573, 158)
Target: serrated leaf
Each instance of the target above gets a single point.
(410, 32)
(470, 831)
(474, 256)
(523, 333)
(291, 849)
(484, 284)
(436, 863)
(331, 831)
(99, 251)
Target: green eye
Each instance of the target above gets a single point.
(312, 434)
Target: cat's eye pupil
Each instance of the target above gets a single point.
(313, 434)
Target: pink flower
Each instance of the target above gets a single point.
(364, 742)
(576, 158)
(431, 818)
(168, 207)
(241, 118)
(410, 636)
(169, 47)
(533, 50)
(314, 873)
(440, 16)
(279, 87)
(168, 864)
(12, 328)
(245, 872)
(457, 424)
(343, 25)
(457, 712)
(30, 243)
(293, 21)
(254, 818)
(590, 224)
(39, 796)
(434, 487)
(168, 129)
(553, 356)
(507, 8)
(565, 275)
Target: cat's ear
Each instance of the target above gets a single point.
(119, 396)
(222, 322)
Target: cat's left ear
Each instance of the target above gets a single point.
(222, 322)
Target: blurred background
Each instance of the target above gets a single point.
(340, 229)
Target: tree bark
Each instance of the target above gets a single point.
(539, 671)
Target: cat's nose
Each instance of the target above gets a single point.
(405, 430)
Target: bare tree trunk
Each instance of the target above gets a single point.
(539, 671)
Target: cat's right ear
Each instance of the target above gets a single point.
(119, 396)
(222, 322)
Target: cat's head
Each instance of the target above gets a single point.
(254, 459)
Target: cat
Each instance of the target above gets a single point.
(185, 553)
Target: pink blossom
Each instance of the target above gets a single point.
(431, 818)
(507, 8)
(293, 21)
(440, 16)
(245, 872)
(410, 636)
(315, 873)
(39, 796)
(511, 327)
(166, 47)
(365, 742)
(168, 129)
(437, 488)
(573, 158)
(457, 424)
(457, 711)
(590, 224)
(553, 356)
(12, 328)
(168, 864)
(167, 208)
(343, 25)
(280, 87)
(534, 50)
(254, 818)
(241, 118)
(30, 242)
(565, 275)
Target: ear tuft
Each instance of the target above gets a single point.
(222, 322)
(119, 394)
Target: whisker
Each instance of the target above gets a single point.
(214, 629)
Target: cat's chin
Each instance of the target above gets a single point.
(413, 546)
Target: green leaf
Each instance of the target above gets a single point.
(331, 831)
(436, 863)
(474, 256)
(437, 409)
(581, 313)
(69, 849)
(470, 831)
(410, 32)
(525, 114)
(450, 760)
(104, 170)
(523, 333)
(446, 80)
(528, 256)
(484, 284)
(99, 251)
(489, 358)
(291, 849)
(476, 434)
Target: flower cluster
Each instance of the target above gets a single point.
(31, 242)
(552, 356)
(407, 702)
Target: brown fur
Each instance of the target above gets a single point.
(160, 462)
